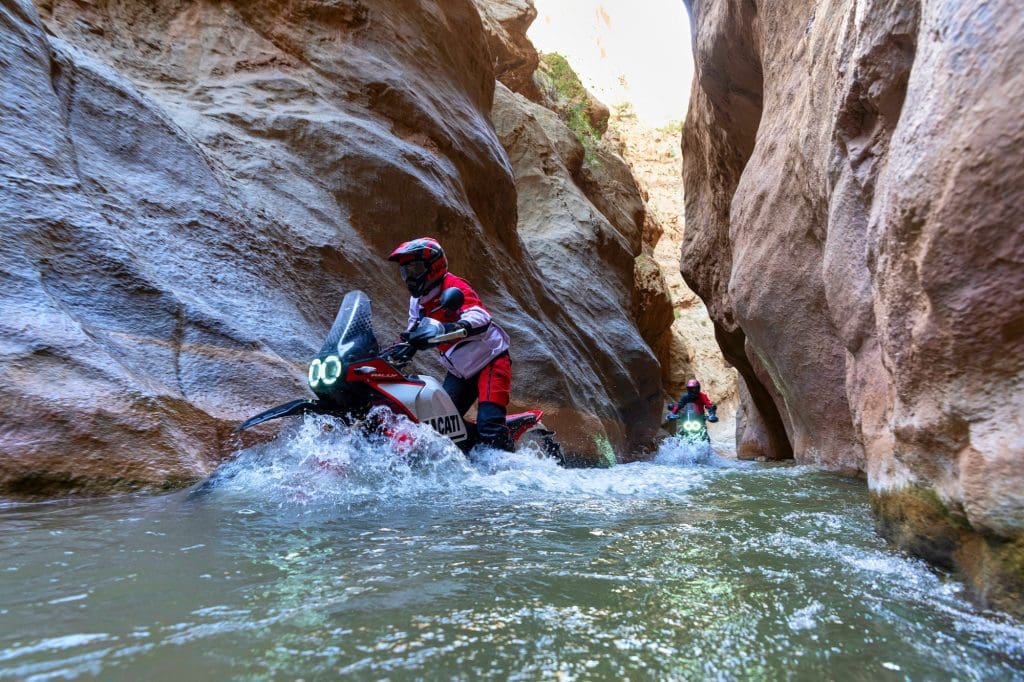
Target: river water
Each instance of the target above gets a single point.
(324, 555)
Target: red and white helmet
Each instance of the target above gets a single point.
(693, 386)
(422, 264)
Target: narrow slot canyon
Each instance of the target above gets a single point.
(238, 441)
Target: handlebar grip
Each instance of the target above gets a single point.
(452, 336)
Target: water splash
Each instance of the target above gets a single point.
(678, 451)
(319, 461)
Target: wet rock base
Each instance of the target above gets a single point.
(916, 520)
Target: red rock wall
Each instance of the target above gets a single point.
(190, 187)
(854, 222)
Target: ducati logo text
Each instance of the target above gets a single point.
(445, 425)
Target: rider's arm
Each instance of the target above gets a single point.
(472, 316)
(712, 410)
(414, 318)
(474, 319)
(414, 314)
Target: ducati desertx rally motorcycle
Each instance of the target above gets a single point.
(692, 427)
(351, 376)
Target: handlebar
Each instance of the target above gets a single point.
(452, 336)
(402, 353)
(399, 354)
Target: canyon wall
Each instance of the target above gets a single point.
(688, 349)
(854, 224)
(189, 188)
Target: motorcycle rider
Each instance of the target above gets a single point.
(699, 398)
(478, 365)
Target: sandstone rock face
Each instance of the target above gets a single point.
(628, 53)
(853, 218)
(583, 219)
(189, 189)
(514, 57)
(588, 258)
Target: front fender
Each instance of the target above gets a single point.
(295, 407)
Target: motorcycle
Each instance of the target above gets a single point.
(693, 427)
(351, 376)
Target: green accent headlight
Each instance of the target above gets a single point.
(331, 369)
(691, 426)
(315, 372)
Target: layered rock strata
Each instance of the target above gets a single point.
(514, 57)
(570, 239)
(601, 40)
(853, 215)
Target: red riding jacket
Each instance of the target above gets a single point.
(486, 341)
(702, 402)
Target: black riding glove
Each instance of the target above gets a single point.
(712, 416)
(450, 327)
(415, 340)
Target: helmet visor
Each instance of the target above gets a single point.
(413, 270)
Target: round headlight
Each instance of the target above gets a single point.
(332, 369)
(692, 426)
(315, 370)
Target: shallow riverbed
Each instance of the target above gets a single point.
(324, 554)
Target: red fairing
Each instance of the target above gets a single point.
(382, 372)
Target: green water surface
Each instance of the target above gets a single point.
(509, 569)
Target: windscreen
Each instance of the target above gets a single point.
(691, 413)
(351, 335)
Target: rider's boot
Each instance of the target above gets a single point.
(491, 429)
